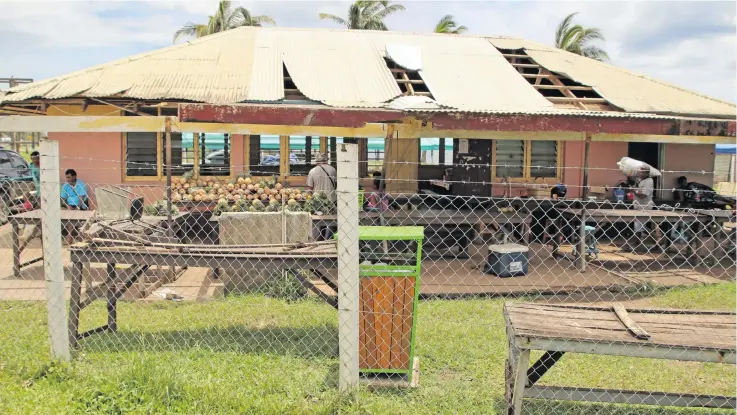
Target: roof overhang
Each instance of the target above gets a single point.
(626, 127)
(313, 120)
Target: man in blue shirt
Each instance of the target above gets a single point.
(73, 196)
(74, 192)
(35, 169)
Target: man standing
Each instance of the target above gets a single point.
(644, 201)
(36, 169)
(322, 178)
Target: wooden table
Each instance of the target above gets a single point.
(74, 217)
(35, 217)
(683, 335)
(699, 220)
(229, 258)
(438, 222)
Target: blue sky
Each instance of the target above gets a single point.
(690, 44)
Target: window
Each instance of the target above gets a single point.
(269, 150)
(205, 154)
(303, 150)
(141, 154)
(214, 154)
(375, 154)
(182, 153)
(518, 159)
(543, 159)
(510, 158)
(431, 152)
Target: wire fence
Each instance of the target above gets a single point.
(248, 295)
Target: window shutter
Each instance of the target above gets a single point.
(510, 157)
(544, 159)
(140, 154)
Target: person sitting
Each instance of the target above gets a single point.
(74, 192)
(693, 194)
(377, 200)
(73, 196)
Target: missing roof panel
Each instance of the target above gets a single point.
(558, 89)
(409, 82)
(291, 91)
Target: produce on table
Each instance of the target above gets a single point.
(243, 194)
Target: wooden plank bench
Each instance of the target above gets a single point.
(684, 335)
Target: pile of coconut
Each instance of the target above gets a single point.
(243, 194)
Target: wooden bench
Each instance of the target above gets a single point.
(683, 335)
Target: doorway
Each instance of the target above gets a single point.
(649, 153)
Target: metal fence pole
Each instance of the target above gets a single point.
(348, 262)
(53, 268)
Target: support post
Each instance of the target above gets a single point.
(112, 300)
(16, 250)
(584, 197)
(348, 284)
(169, 222)
(51, 241)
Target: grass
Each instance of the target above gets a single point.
(261, 355)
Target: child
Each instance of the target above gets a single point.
(377, 198)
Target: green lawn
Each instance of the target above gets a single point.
(253, 354)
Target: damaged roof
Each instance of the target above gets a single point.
(348, 68)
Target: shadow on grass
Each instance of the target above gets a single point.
(318, 341)
(550, 407)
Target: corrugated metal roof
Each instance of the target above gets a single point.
(463, 72)
(340, 69)
(345, 68)
(624, 89)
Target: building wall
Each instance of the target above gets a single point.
(684, 159)
(603, 158)
(99, 158)
(724, 168)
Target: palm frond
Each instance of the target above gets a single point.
(390, 9)
(190, 30)
(563, 28)
(259, 20)
(594, 52)
(591, 33)
(460, 29)
(336, 19)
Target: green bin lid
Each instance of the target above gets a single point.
(384, 233)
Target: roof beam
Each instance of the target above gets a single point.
(538, 127)
(576, 99)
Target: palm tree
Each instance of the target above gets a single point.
(365, 15)
(225, 18)
(577, 39)
(448, 25)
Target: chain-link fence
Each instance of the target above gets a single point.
(247, 295)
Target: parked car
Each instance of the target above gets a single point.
(274, 160)
(15, 179)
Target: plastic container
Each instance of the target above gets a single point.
(507, 260)
(619, 195)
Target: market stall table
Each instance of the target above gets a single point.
(34, 218)
(453, 229)
(301, 256)
(76, 218)
(701, 219)
(682, 335)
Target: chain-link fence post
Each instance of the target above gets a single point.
(348, 262)
(53, 268)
